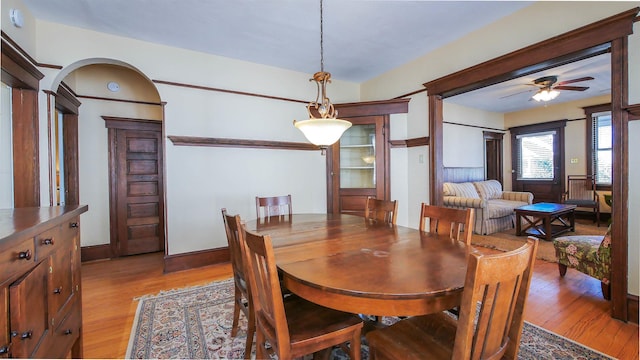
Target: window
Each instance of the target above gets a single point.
(535, 156)
(599, 144)
(602, 151)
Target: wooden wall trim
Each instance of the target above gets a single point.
(436, 138)
(410, 93)
(120, 100)
(195, 259)
(373, 108)
(239, 143)
(112, 122)
(26, 154)
(421, 141)
(632, 308)
(95, 252)
(17, 71)
(634, 111)
(207, 88)
(583, 42)
(25, 54)
(620, 178)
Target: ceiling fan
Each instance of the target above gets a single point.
(549, 87)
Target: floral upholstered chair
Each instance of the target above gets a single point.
(588, 254)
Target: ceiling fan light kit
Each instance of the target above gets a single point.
(549, 89)
(546, 95)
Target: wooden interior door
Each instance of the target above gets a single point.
(136, 182)
(527, 142)
(358, 165)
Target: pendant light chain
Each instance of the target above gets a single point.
(321, 40)
(326, 129)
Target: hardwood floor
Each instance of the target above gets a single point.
(571, 306)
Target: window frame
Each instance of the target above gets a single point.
(590, 151)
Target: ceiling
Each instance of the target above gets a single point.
(362, 38)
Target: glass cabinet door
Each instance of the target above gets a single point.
(358, 157)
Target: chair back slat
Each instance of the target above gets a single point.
(265, 287)
(500, 283)
(273, 206)
(581, 187)
(233, 228)
(449, 221)
(381, 211)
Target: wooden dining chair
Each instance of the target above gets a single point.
(291, 325)
(385, 211)
(273, 206)
(443, 220)
(242, 297)
(491, 315)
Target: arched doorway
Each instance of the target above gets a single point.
(119, 167)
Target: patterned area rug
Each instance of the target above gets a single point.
(507, 240)
(195, 323)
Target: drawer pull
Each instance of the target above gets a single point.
(57, 290)
(26, 335)
(68, 332)
(47, 241)
(4, 349)
(26, 255)
(73, 225)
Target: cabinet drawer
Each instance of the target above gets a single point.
(71, 228)
(17, 259)
(48, 241)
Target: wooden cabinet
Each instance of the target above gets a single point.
(358, 164)
(40, 290)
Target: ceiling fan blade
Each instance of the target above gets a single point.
(575, 80)
(572, 88)
(518, 93)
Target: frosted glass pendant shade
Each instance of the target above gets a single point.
(546, 95)
(322, 132)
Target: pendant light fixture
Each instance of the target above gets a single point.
(326, 129)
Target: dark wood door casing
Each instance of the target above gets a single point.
(543, 190)
(493, 155)
(609, 34)
(136, 186)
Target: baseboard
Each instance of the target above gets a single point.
(95, 252)
(632, 308)
(195, 259)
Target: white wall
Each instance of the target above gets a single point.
(634, 164)
(463, 146)
(200, 180)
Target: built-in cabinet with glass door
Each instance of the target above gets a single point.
(358, 165)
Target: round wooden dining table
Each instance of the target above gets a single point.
(346, 263)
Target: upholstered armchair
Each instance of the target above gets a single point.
(590, 255)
